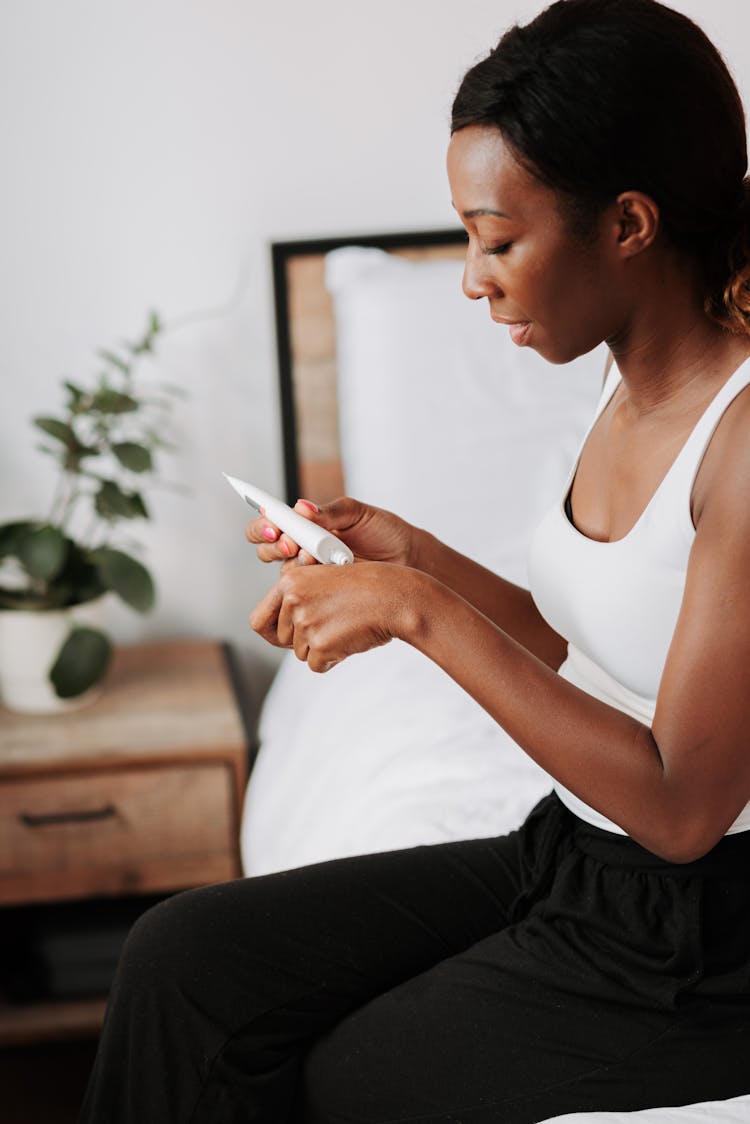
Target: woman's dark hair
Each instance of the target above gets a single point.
(597, 97)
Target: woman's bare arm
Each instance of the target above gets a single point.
(379, 535)
(509, 606)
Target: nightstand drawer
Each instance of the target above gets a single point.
(114, 831)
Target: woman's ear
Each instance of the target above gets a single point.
(637, 222)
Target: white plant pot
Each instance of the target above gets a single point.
(29, 645)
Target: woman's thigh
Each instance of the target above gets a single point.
(223, 987)
(350, 927)
(482, 1038)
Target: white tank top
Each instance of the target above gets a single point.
(617, 603)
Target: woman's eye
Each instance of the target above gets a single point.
(501, 249)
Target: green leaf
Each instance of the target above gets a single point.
(108, 401)
(12, 535)
(143, 346)
(112, 503)
(81, 662)
(43, 552)
(61, 431)
(75, 449)
(79, 400)
(73, 458)
(39, 547)
(114, 360)
(126, 577)
(134, 457)
(153, 327)
(78, 581)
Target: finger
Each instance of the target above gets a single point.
(334, 516)
(288, 635)
(288, 547)
(320, 665)
(262, 531)
(273, 552)
(301, 559)
(270, 553)
(265, 615)
(271, 545)
(307, 509)
(340, 514)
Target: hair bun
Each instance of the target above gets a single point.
(732, 309)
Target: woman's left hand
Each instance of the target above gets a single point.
(326, 613)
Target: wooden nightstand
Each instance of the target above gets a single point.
(138, 793)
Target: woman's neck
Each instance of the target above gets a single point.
(669, 347)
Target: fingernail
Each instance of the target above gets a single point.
(270, 534)
(310, 504)
(285, 548)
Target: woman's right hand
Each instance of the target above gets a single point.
(370, 532)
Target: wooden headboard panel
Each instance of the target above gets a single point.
(306, 343)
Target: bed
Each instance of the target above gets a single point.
(396, 389)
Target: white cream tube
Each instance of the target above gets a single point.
(314, 539)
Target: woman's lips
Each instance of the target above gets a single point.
(519, 329)
(519, 333)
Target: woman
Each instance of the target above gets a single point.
(598, 958)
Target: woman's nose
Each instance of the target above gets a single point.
(477, 280)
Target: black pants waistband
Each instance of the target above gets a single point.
(730, 858)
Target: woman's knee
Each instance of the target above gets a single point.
(167, 940)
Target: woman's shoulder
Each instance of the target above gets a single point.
(723, 478)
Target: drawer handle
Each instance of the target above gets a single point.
(47, 819)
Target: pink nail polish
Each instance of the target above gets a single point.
(270, 534)
(308, 503)
(285, 548)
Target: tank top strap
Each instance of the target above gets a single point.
(685, 468)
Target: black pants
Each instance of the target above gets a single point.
(495, 981)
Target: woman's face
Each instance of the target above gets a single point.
(554, 292)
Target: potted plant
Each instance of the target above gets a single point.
(55, 570)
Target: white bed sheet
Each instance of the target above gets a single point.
(734, 1111)
(384, 751)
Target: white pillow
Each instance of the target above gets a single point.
(443, 419)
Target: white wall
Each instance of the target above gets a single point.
(151, 150)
